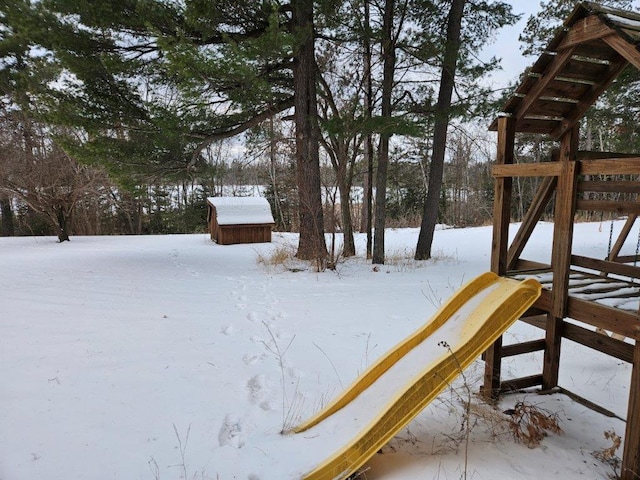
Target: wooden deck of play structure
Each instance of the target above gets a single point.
(584, 299)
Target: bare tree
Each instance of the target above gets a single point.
(7, 228)
(36, 171)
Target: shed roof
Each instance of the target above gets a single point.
(595, 44)
(241, 210)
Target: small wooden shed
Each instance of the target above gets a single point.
(239, 220)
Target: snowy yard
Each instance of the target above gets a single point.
(159, 358)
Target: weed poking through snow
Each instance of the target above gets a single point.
(529, 424)
(291, 406)
(608, 454)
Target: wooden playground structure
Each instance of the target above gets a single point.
(580, 63)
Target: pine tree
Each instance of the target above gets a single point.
(151, 84)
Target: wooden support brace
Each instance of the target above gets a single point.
(502, 199)
(626, 229)
(501, 219)
(553, 338)
(561, 256)
(516, 384)
(492, 370)
(563, 223)
(631, 455)
(585, 30)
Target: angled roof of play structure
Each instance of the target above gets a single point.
(579, 64)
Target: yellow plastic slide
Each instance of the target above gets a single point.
(460, 331)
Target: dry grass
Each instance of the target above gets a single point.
(529, 424)
(608, 454)
(282, 257)
(402, 260)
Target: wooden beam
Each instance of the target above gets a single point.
(620, 208)
(625, 49)
(541, 84)
(625, 259)
(615, 320)
(587, 403)
(624, 233)
(523, 264)
(544, 169)
(492, 370)
(595, 155)
(499, 243)
(597, 341)
(565, 205)
(561, 255)
(611, 166)
(553, 340)
(589, 99)
(605, 266)
(585, 30)
(502, 198)
(631, 456)
(539, 321)
(613, 186)
(520, 383)
(589, 338)
(522, 348)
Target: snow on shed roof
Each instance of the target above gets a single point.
(241, 210)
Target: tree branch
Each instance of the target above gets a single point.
(232, 131)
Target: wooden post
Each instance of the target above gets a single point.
(502, 198)
(561, 255)
(500, 242)
(631, 454)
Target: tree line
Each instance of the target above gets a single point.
(122, 117)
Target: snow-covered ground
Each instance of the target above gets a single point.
(168, 357)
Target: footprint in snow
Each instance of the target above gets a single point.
(252, 359)
(231, 432)
(259, 391)
(228, 330)
(278, 316)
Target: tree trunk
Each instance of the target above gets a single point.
(388, 53)
(62, 220)
(367, 204)
(6, 212)
(344, 190)
(273, 175)
(443, 110)
(312, 244)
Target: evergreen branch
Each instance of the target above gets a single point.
(231, 131)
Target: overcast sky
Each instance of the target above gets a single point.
(507, 47)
